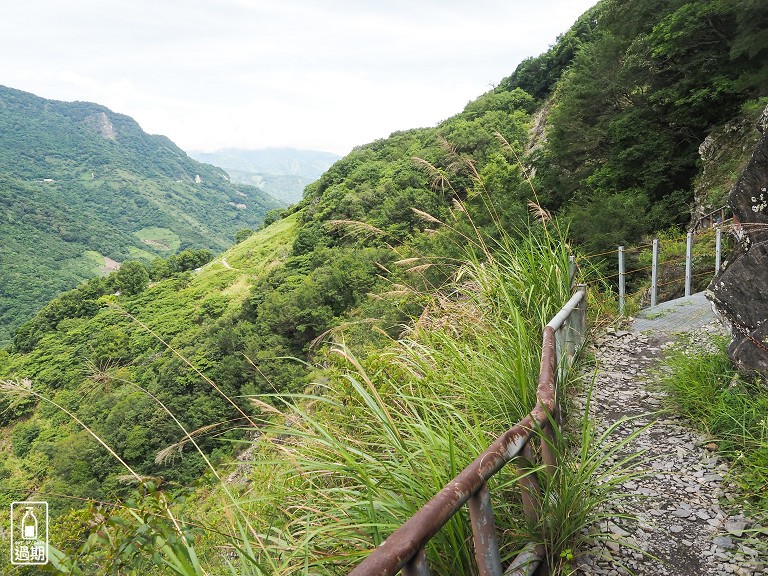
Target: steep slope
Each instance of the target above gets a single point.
(640, 85)
(245, 318)
(281, 172)
(88, 355)
(82, 186)
(276, 295)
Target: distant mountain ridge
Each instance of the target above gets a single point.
(281, 172)
(81, 186)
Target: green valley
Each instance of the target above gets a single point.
(82, 186)
(282, 394)
(281, 172)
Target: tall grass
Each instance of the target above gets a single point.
(585, 492)
(361, 454)
(703, 386)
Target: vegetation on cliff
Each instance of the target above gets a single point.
(632, 90)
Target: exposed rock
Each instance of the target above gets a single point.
(740, 292)
(723, 154)
(762, 122)
(102, 124)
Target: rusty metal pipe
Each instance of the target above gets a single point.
(530, 491)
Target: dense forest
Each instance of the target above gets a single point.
(79, 183)
(631, 91)
(603, 131)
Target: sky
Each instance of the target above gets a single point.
(324, 74)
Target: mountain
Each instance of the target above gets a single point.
(600, 129)
(281, 172)
(250, 319)
(83, 188)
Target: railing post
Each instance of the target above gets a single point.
(418, 565)
(655, 271)
(576, 325)
(570, 338)
(688, 263)
(484, 533)
(621, 280)
(582, 316)
(718, 249)
(530, 491)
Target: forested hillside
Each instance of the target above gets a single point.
(248, 318)
(79, 183)
(640, 85)
(603, 130)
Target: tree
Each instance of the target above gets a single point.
(274, 215)
(244, 233)
(132, 278)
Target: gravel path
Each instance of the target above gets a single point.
(683, 520)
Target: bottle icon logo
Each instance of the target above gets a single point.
(29, 533)
(29, 525)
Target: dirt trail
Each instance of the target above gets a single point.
(683, 520)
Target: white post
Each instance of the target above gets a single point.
(655, 271)
(621, 280)
(718, 249)
(688, 256)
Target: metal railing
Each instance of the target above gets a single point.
(655, 266)
(405, 548)
(717, 217)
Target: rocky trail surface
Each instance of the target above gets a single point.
(685, 526)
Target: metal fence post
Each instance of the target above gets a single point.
(688, 263)
(655, 271)
(484, 533)
(582, 316)
(418, 565)
(621, 280)
(718, 249)
(575, 326)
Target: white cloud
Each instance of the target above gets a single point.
(254, 73)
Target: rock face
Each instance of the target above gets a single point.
(740, 292)
(101, 123)
(723, 154)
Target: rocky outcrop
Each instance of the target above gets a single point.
(723, 155)
(740, 292)
(101, 123)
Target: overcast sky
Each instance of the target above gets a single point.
(323, 74)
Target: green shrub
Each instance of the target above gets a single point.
(22, 437)
(703, 386)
